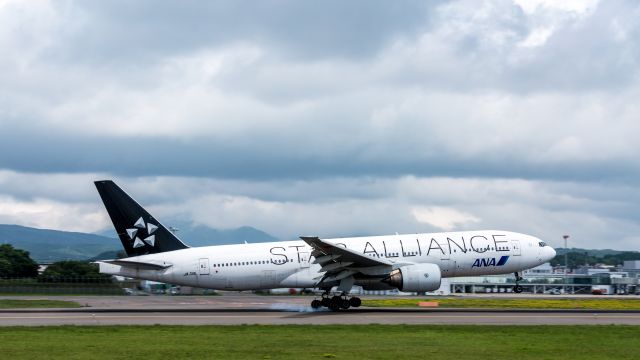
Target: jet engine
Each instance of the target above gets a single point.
(415, 278)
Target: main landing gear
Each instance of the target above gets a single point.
(336, 302)
(517, 288)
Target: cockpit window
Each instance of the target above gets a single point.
(542, 244)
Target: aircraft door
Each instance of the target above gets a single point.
(515, 245)
(203, 266)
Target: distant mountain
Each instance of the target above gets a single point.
(54, 245)
(107, 255)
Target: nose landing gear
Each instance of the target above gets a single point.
(336, 302)
(517, 288)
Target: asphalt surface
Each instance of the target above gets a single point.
(254, 309)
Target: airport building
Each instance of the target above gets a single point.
(599, 280)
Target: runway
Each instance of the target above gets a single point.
(252, 309)
(357, 316)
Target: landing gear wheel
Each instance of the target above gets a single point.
(517, 288)
(345, 304)
(335, 303)
(316, 304)
(325, 302)
(355, 302)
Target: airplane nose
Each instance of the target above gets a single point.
(552, 253)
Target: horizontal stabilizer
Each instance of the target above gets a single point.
(137, 264)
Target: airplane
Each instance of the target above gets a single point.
(409, 262)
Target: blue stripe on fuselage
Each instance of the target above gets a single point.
(503, 260)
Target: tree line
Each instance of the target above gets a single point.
(576, 259)
(16, 263)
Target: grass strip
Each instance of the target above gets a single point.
(492, 303)
(317, 342)
(36, 303)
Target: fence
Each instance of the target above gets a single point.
(60, 285)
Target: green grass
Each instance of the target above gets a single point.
(23, 304)
(318, 342)
(492, 303)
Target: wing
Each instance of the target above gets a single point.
(339, 262)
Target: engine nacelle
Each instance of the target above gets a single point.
(415, 278)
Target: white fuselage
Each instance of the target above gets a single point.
(290, 264)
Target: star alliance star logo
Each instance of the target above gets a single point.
(135, 234)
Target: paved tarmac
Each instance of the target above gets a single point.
(254, 309)
(356, 316)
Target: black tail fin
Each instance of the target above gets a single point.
(139, 232)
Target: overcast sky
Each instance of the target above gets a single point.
(326, 118)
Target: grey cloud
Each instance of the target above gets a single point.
(467, 49)
(587, 55)
(127, 31)
(276, 157)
